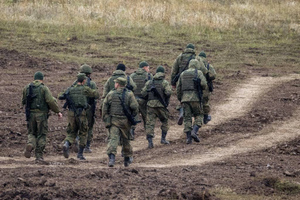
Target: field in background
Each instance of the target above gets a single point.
(78, 31)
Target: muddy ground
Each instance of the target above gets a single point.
(251, 148)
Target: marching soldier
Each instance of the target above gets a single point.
(90, 112)
(210, 74)
(158, 92)
(77, 101)
(119, 112)
(38, 100)
(181, 64)
(140, 77)
(190, 88)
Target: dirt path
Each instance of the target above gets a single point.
(238, 104)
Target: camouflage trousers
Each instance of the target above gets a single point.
(91, 122)
(190, 110)
(152, 113)
(119, 134)
(142, 109)
(77, 126)
(37, 132)
(206, 105)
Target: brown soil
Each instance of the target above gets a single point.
(252, 141)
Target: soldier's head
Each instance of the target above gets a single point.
(86, 69)
(121, 67)
(120, 82)
(160, 69)
(81, 77)
(202, 54)
(144, 65)
(38, 76)
(190, 46)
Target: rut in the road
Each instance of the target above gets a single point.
(237, 104)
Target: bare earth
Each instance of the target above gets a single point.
(253, 138)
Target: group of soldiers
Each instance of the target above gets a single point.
(124, 97)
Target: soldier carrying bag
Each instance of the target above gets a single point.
(29, 99)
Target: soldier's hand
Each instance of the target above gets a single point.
(59, 115)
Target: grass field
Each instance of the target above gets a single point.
(78, 31)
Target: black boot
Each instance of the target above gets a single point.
(126, 161)
(87, 148)
(80, 153)
(111, 161)
(188, 137)
(150, 143)
(131, 137)
(194, 133)
(163, 138)
(180, 118)
(206, 118)
(66, 148)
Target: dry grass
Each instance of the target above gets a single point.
(262, 16)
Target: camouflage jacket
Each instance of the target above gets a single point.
(192, 95)
(110, 84)
(46, 97)
(167, 90)
(178, 65)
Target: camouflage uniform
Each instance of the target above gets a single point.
(109, 85)
(77, 115)
(140, 77)
(211, 73)
(179, 65)
(188, 96)
(116, 121)
(155, 109)
(90, 111)
(38, 120)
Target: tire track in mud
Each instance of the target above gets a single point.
(237, 104)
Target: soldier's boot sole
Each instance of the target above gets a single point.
(66, 151)
(195, 137)
(164, 142)
(180, 120)
(28, 150)
(75, 147)
(111, 163)
(87, 150)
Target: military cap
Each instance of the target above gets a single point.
(160, 69)
(121, 81)
(81, 77)
(143, 64)
(86, 69)
(202, 54)
(38, 76)
(121, 67)
(191, 46)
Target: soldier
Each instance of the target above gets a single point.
(110, 85)
(90, 112)
(158, 92)
(119, 72)
(119, 111)
(181, 64)
(140, 77)
(189, 88)
(38, 100)
(77, 101)
(210, 74)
